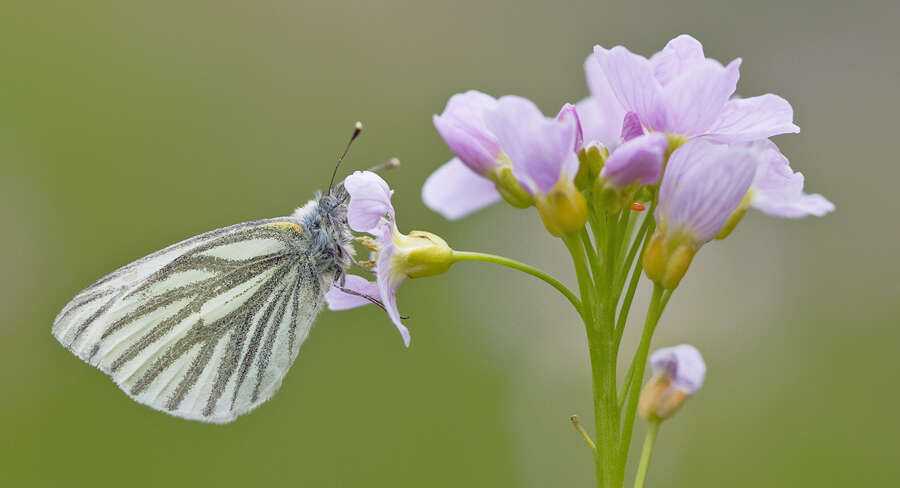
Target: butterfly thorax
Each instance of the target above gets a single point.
(330, 244)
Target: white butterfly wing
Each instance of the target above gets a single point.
(205, 329)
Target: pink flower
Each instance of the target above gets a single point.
(396, 256)
(682, 92)
(678, 373)
(702, 186)
(370, 211)
(492, 137)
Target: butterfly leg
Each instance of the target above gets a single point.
(367, 297)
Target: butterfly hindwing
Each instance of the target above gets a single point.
(204, 329)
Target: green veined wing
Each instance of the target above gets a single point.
(204, 329)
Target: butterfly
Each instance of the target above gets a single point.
(207, 328)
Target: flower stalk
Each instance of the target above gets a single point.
(525, 268)
(646, 452)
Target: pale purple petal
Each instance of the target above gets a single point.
(568, 111)
(631, 127)
(696, 99)
(683, 364)
(751, 119)
(463, 129)
(702, 185)
(631, 79)
(679, 55)
(539, 147)
(638, 160)
(339, 300)
(388, 280)
(601, 114)
(370, 200)
(778, 191)
(596, 126)
(455, 191)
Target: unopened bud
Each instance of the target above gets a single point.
(659, 400)
(590, 163)
(668, 257)
(421, 254)
(563, 210)
(611, 198)
(678, 372)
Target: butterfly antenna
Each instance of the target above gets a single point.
(356, 132)
(389, 164)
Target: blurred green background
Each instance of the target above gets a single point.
(126, 126)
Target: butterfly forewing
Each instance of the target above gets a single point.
(204, 329)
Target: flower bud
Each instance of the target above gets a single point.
(678, 372)
(590, 163)
(421, 254)
(668, 257)
(563, 210)
(658, 401)
(607, 196)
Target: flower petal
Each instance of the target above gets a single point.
(750, 119)
(638, 160)
(683, 364)
(455, 191)
(540, 148)
(702, 185)
(631, 127)
(568, 111)
(631, 79)
(778, 191)
(679, 55)
(696, 99)
(597, 127)
(370, 200)
(388, 280)
(340, 300)
(463, 129)
(601, 114)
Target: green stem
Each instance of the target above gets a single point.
(612, 233)
(626, 386)
(641, 240)
(598, 227)
(599, 335)
(640, 361)
(652, 431)
(593, 260)
(632, 252)
(510, 263)
(631, 218)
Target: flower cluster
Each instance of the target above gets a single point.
(669, 125)
(665, 133)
